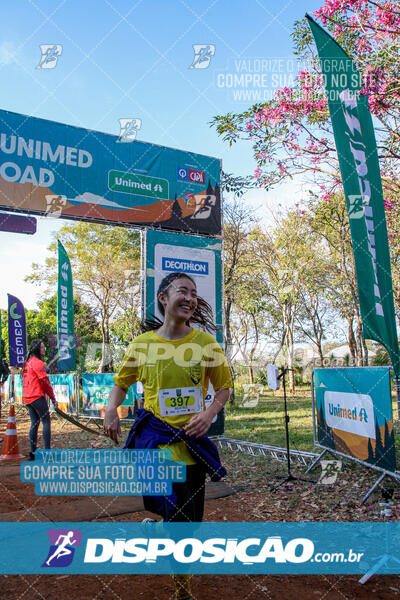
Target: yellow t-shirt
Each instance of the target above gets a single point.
(163, 366)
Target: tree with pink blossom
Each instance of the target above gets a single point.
(292, 134)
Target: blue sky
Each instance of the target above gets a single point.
(124, 59)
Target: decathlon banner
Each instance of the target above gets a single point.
(64, 171)
(16, 332)
(96, 390)
(198, 257)
(63, 385)
(65, 313)
(201, 259)
(101, 548)
(359, 166)
(354, 414)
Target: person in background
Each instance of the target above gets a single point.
(4, 370)
(36, 386)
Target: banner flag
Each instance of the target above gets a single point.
(65, 313)
(18, 390)
(16, 332)
(359, 166)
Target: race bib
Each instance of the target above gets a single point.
(180, 401)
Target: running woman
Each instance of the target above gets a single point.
(175, 364)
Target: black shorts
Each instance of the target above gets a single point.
(189, 506)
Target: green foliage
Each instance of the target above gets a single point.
(105, 263)
(261, 377)
(236, 184)
(381, 359)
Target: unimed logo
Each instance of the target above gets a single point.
(191, 550)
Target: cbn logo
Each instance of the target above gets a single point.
(192, 175)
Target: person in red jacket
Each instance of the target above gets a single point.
(36, 385)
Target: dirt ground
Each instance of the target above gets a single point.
(254, 501)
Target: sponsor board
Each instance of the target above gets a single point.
(61, 392)
(193, 267)
(354, 414)
(96, 389)
(52, 169)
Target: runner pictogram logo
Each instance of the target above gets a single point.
(62, 547)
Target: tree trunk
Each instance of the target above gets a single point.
(251, 372)
(228, 332)
(106, 364)
(318, 331)
(352, 341)
(288, 319)
(365, 353)
(253, 349)
(359, 345)
(290, 355)
(320, 353)
(279, 347)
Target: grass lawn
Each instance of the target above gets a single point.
(264, 423)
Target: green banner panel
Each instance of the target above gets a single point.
(96, 389)
(354, 414)
(63, 385)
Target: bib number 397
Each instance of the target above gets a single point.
(180, 401)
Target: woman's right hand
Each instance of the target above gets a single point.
(111, 426)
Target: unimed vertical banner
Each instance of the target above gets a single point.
(354, 414)
(16, 332)
(65, 313)
(359, 165)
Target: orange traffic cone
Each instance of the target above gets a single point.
(10, 445)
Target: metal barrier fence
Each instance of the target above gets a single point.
(254, 449)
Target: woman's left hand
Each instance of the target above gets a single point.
(199, 424)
